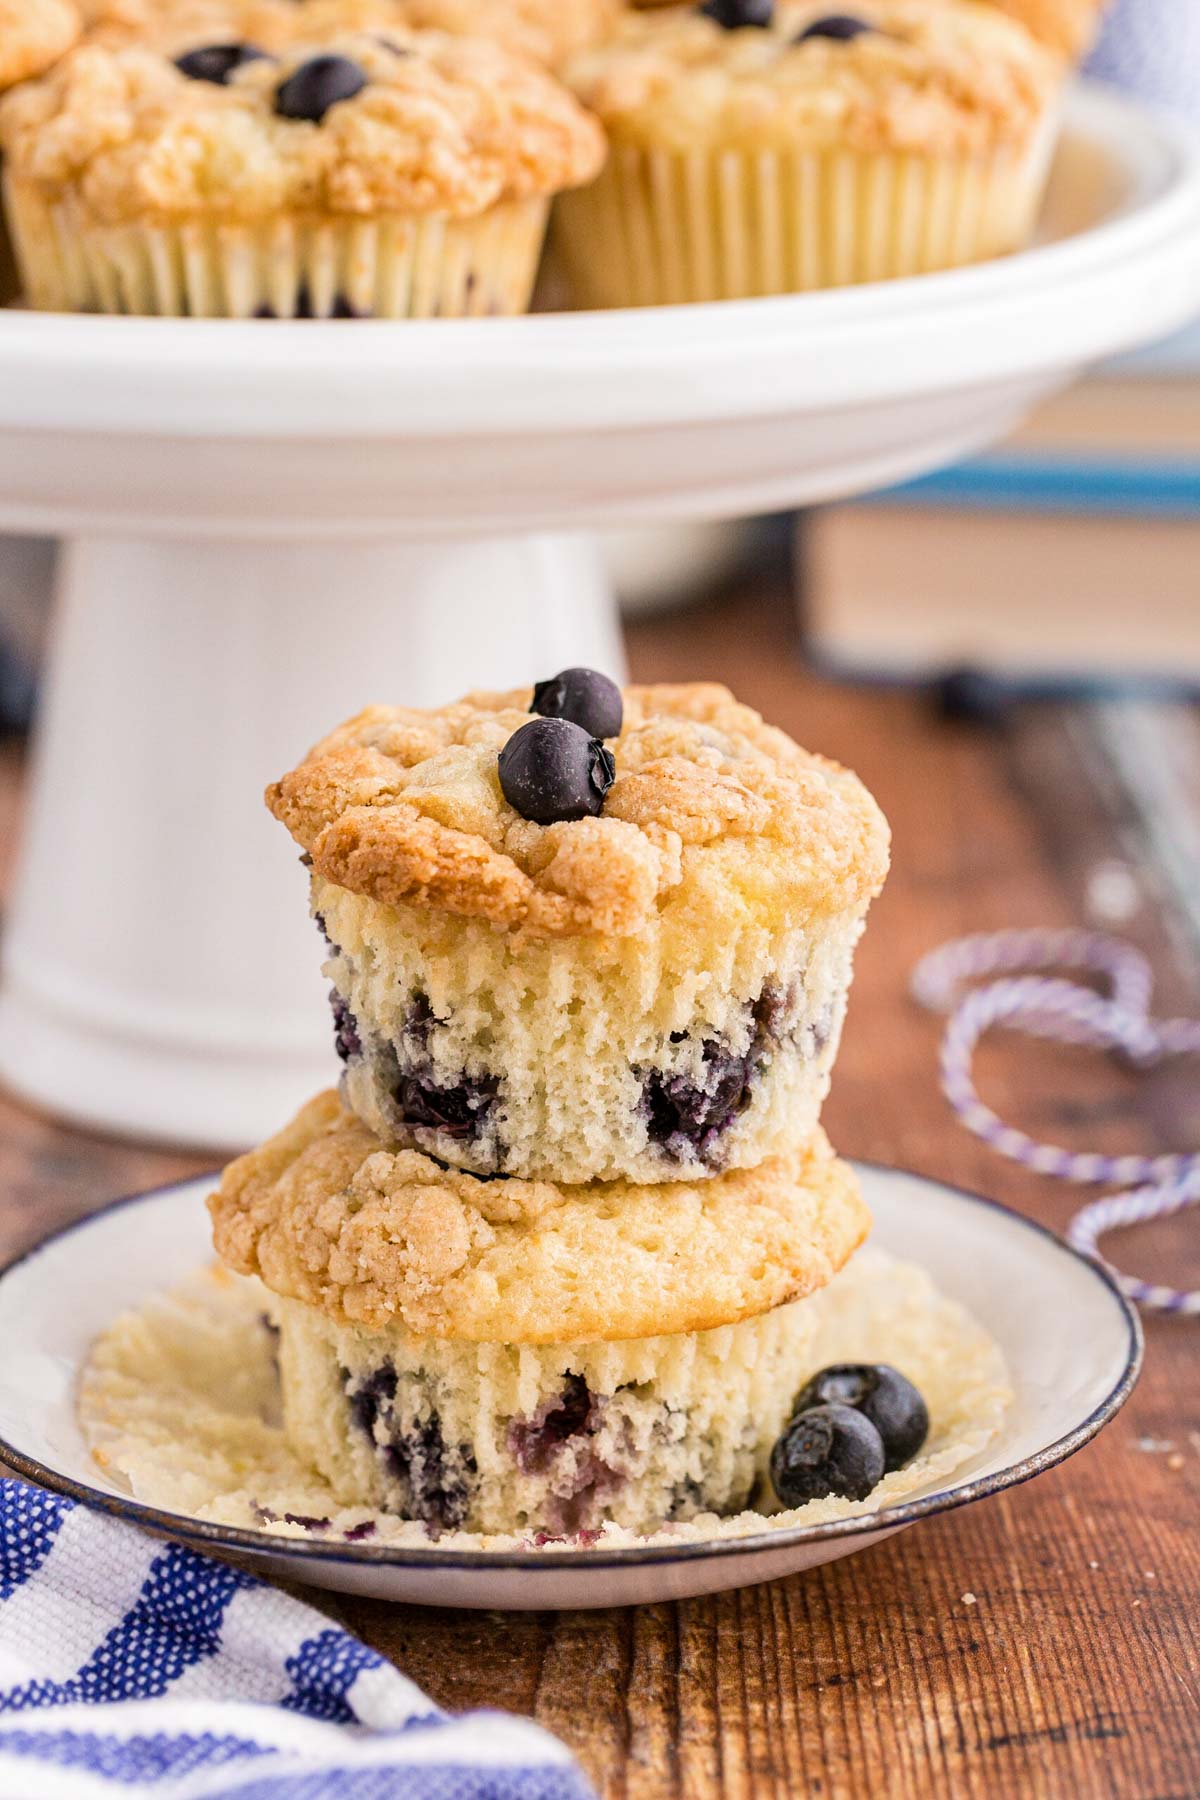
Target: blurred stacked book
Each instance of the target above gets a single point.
(1070, 554)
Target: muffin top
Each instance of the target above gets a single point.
(1066, 26)
(383, 1238)
(712, 814)
(546, 30)
(351, 124)
(933, 76)
(33, 35)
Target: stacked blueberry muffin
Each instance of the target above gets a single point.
(256, 159)
(773, 146)
(543, 1263)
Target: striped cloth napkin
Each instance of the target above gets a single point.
(133, 1667)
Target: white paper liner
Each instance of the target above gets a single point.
(661, 227)
(179, 1402)
(385, 268)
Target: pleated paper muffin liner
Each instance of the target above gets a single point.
(180, 1403)
(661, 227)
(555, 1438)
(323, 266)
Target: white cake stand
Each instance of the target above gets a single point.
(271, 524)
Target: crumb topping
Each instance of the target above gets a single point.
(935, 79)
(443, 125)
(33, 35)
(710, 808)
(384, 1238)
(546, 30)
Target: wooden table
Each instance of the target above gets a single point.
(1046, 1643)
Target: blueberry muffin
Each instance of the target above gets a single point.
(546, 30)
(768, 148)
(33, 35)
(350, 175)
(611, 943)
(1067, 27)
(504, 1355)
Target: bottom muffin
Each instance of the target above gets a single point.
(552, 1439)
(180, 1406)
(527, 1356)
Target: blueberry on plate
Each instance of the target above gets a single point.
(585, 697)
(218, 62)
(881, 1394)
(843, 28)
(733, 15)
(828, 1450)
(553, 770)
(310, 91)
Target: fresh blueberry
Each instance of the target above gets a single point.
(310, 91)
(843, 28)
(882, 1395)
(732, 15)
(552, 770)
(585, 697)
(827, 1450)
(218, 62)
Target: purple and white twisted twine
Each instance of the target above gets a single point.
(1023, 997)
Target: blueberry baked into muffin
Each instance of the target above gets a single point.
(505, 1355)
(607, 938)
(771, 146)
(348, 175)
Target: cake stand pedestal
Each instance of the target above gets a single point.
(271, 524)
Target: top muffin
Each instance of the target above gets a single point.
(33, 35)
(934, 78)
(556, 956)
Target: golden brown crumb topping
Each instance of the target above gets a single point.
(711, 808)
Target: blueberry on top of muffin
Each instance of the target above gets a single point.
(709, 810)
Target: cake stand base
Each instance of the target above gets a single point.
(159, 974)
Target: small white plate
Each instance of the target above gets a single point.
(1072, 1343)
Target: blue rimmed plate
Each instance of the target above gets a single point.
(1072, 1344)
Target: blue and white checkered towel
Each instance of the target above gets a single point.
(132, 1667)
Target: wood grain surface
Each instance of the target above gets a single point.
(1046, 1643)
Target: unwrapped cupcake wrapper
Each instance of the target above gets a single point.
(661, 227)
(285, 267)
